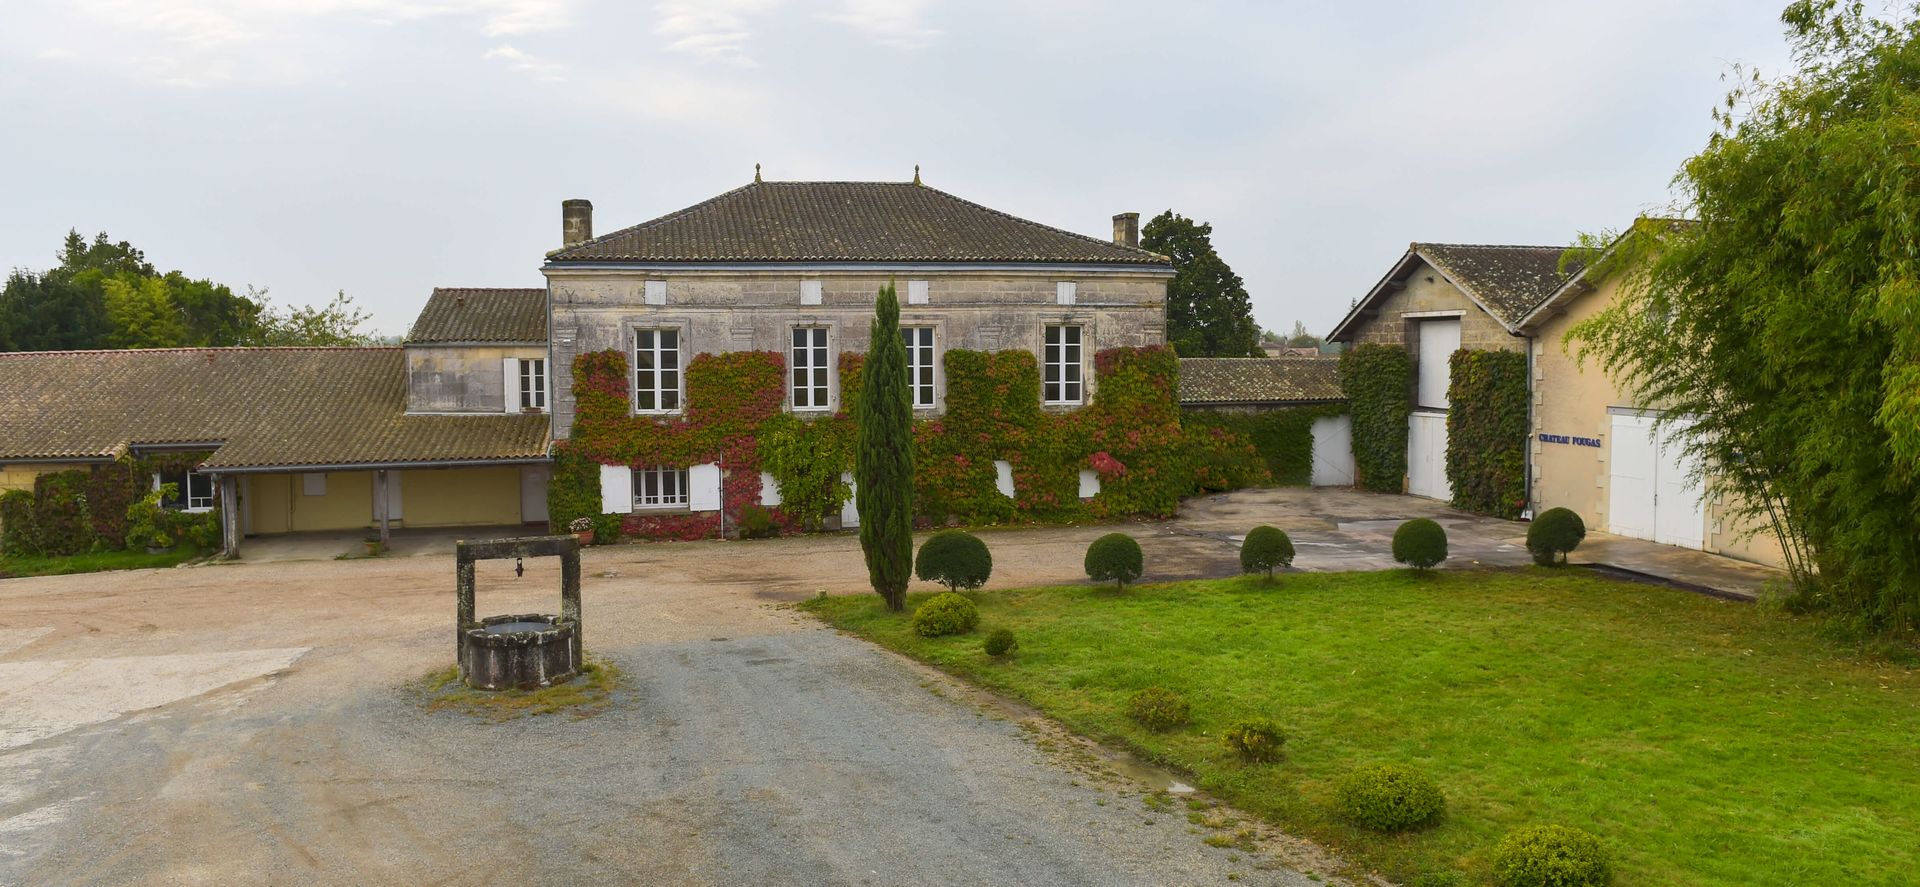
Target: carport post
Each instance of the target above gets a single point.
(380, 502)
(229, 516)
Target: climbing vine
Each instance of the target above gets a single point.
(1487, 432)
(1283, 438)
(1377, 380)
(69, 512)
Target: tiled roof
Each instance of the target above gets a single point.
(265, 407)
(847, 222)
(1254, 380)
(1509, 280)
(476, 314)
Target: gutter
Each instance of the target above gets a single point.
(376, 466)
(1147, 268)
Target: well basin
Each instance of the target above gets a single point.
(521, 652)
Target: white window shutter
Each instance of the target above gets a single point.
(769, 490)
(916, 292)
(1065, 292)
(703, 487)
(809, 292)
(616, 489)
(510, 370)
(656, 292)
(1089, 483)
(1003, 477)
(850, 512)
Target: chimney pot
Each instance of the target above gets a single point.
(576, 222)
(1126, 230)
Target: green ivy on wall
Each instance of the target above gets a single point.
(1378, 382)
(1282, 437)
(1487, 432)
(82, 509)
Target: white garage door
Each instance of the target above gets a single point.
(1651, 495)
(1427, 455)
(1332, 452)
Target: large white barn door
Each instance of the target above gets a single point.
(1651, 495)
(1427, 456)
(1680, 512)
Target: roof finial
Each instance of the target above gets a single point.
(756, 173)
(916, 173)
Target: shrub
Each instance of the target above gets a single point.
(954, 558)
(756, 522)
(1264, 549)
(1420, 543)
(1114, 558)
(1550, 856)
(1001, 642)
(1255, 741)
(1389, 798)
(1554, 533)
(148, 525)
(19, 532)
(200, 531)
(1158, 709)
(945, 613)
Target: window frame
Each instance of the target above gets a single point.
(1048, 363)
(184, 497)
(931, 350)
(663, 476)
(537, 392)
(679, 370)
(823, 349)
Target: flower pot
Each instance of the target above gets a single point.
(585, 537)
(374, 547)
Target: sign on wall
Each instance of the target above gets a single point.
(1566, 439)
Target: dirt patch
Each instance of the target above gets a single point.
(583, 697)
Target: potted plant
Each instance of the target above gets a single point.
(582, 529)
(374, 545)
(159, 543)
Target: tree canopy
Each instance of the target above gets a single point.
(1782, 315)
(105, 294)
(1208, 311)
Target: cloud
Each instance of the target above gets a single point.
(895, 23)
(541, 69)
(715, 30)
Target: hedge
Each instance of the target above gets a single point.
(82, 509)
(1487, 432)
(1283, 437)
(1378, 381)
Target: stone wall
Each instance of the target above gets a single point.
(1424, 290)
(721, 311)
(461, 378)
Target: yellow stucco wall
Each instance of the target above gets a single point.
(454, 497)
(20, 476)
(1571, 398)
(280, 504)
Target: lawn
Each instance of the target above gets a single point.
(1705, 742)
(92, 562)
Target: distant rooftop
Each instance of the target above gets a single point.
(481, 314)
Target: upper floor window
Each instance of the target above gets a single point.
(659, 487)
(1061, 366)
(533, 384)
(919, 365)
(810, 368)
(656, 370)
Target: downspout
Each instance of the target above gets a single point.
(1532, 432)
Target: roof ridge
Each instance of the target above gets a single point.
(1420, 243)
(209, 348)
(1041, 225)
(490, 289)
(563, 251)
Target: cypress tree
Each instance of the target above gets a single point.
(883, 466)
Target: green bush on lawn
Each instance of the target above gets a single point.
(944, 614)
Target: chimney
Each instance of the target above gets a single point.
(1126, 230)
(576, 222)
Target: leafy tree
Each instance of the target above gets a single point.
(883, 457)
(142, 313)
(1208, 311)
(336, 323)
(1301, 338)
(1781, 317)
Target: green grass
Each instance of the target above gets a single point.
(92, 562)
(1705, 742)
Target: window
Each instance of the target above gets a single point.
(1062, 379)
(656, 371)
(809, 292)
(533, 384)
(659, 487)
(919, 365)
(810, 368)
(916, 292)
(1066, 292)
(193, 491)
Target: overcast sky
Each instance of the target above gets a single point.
(384, 147)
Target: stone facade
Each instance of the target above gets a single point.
(463, 378)
(718, 311)
(1426, 290)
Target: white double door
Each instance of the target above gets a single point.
(1427, 456)
(1652, 494)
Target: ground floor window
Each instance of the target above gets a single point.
(192, 491)
(659, 487)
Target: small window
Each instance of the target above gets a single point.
(920, 364)
(810, 368)
(533, 384)
(1066, 292)
(313, 483)
(916, 292)
(656, 370)
(656, 292)
(192, 491)
(659, 488)
(200, 491)
(809, 292)
(1061, 382)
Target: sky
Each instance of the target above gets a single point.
(385, 147)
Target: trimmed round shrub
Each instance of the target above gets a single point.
(1420, 543)
(945, 613)
(954, 558)
(1000, 642)
(1158, 709)
(1114, 558)
(1256, 742)
(1554, 533)
(1550, 856)
(1265, 549)
(1389, 798)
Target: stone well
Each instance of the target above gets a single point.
(518, 651)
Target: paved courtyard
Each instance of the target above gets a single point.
(262, 722)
